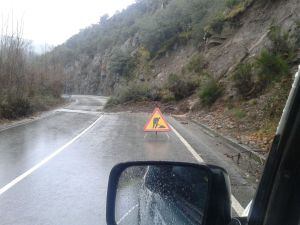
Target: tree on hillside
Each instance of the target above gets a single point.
(122, 63)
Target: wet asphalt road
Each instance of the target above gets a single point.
(71, 187)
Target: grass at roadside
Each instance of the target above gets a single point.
(17, 107)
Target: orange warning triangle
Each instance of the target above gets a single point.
(157, 122)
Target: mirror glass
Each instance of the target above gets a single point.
(161, 194)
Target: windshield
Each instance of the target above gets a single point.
(85, 85)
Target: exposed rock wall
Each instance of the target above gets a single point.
(90, 74)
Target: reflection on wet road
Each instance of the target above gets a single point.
(24, 146)
(71, 188)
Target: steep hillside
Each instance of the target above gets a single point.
(228, 64)
(102, 54)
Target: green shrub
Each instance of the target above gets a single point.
(280, 41)
(181, 86)
(238, 113)
(133, 92)
(217, 24)
(271, 67)
(185, 36)
(167, 96)
(112, 101)
(235, 10)
(40, 102)
(243, 79)
(154, 93)
(231, 3)
(166, 46)
(209, 91)
(196, 64)
(12, 108)
(121, 63)
(275, 102)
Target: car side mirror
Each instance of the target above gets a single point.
(168, 193)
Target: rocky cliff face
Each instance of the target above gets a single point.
(90, 74)
(251, 36)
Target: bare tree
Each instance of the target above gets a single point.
(23, 74)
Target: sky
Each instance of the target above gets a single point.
(52, 22)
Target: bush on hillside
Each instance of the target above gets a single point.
(280, 42)
(217, 24)
(275, 102)
(238, 113)
(209, 91)
(133, 92)
(122, 63)
(112, 101)
(12, 108)
(271, 67)
(167, 96)
(231, 3)
(181, 86)
(41, 102)
(154, 93)
(196, 64)
(243, 79)
(166, 46)
(177, 22)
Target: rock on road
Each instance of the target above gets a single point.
(70, 187)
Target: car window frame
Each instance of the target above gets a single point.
(264, 210)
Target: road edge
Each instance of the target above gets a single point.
(231, 142)
(235, 204)
(32, 118)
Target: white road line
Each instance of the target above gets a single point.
(188, 146)
(27, 121)
(126, 214)
(44, 161)
(77, 111)
(235, 204)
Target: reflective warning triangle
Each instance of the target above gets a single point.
(157, 122)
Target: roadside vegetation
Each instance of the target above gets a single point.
(159, 26)
(178, 22)
(28, 83)
(243, 79)
(162, 50)
(134, 92)
(271, 67)
(266, 79)
(209, 91)
(156, 25)
(181, 86)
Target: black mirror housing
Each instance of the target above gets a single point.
(217, 209)
(220, 202)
